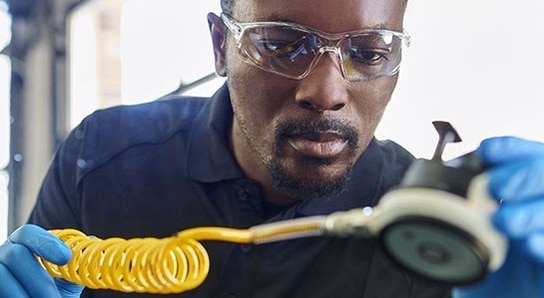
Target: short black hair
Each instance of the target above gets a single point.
(226, 6)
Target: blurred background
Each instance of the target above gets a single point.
(476, 64)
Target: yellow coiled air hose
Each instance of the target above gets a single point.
(168, 265)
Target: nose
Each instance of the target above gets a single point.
(324, 88)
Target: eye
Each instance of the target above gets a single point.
(279, 49)
(276, 46)
(369, 56)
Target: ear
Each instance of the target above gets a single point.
(218, 32)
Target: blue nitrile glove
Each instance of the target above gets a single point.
(20, 273)
(516, 177)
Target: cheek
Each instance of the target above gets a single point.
(370, 101)
(250, 100)
(375, 95)
(258, 96)
(256, 104)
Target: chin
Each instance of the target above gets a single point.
(316, 182)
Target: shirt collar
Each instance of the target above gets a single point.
(209, 158)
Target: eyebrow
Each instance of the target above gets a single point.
(279, 18)
(275, 18)
(380, 26)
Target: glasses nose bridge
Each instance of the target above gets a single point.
(326, 44)
(335, 50)
(330, 47)
(320, 46)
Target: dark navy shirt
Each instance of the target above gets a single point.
(158, 168)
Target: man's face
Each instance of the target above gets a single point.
(300, 138)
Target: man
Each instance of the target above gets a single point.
(289, 136)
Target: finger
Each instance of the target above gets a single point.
(42, 243)
(520, 276)
(520, 220)
(535, 246)
(68, 289)
(497, 150)
(10, 287)
(517, 181)
(25, 269)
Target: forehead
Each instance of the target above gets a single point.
(326, 15)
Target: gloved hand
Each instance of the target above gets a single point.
(516, 177)
(20, 273)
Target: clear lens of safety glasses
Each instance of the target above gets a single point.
(292, 50)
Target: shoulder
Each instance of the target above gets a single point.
(111, 131)
(149, 120)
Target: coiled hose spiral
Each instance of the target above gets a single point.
(168, 265)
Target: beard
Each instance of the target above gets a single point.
(309, 186)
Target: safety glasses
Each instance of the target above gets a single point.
(292, 51)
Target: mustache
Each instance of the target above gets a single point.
(288, 129)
